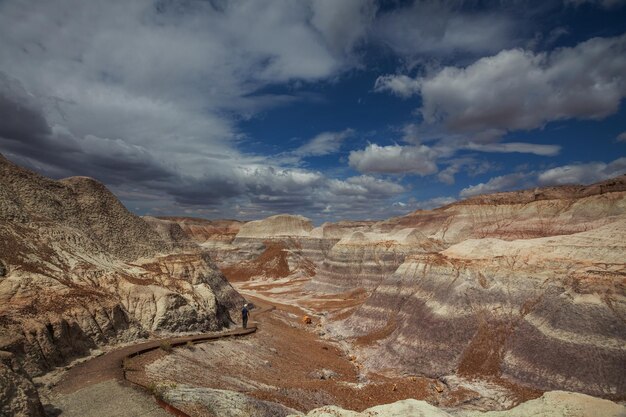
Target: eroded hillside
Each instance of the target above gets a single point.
(79, 271)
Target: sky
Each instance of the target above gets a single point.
(331, 109)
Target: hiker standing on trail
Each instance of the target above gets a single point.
(244, 315)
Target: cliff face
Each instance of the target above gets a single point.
(528, 286)
(80, 271)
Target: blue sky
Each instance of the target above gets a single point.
(351, 109)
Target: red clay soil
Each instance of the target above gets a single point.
(272, 263)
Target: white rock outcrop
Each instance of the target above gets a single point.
(551, 404)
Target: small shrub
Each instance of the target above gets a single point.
(166, 346)
(157, 390)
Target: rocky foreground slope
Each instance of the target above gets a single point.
(553, 404)
(527, 287)
(78, 271)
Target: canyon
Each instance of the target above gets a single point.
(494, 302)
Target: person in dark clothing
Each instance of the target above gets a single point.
(244, 315)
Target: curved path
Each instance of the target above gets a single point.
(97, 387)
(109, 365)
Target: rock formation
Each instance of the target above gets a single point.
(527, 286)
(80, 271)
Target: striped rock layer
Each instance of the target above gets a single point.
(529, 285)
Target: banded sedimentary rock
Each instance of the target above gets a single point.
(364, 259)
(521, 214)
(546, 312)
(526, 285)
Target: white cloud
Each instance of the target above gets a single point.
(447, 175)
(400, 85)
(503, 182)
(517, 89)
(324, 143)
(586, 173)
(423, 159)
(343, 23)
(394, 159)
(621, 137)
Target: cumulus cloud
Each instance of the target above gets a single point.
(394, 159)
(586, 173)
(324, 143)
(517, 89)
(424, 160)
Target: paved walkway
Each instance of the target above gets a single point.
(97, 388)
(107, 399)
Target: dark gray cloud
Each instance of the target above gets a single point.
(145, 96)
(22, 118)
